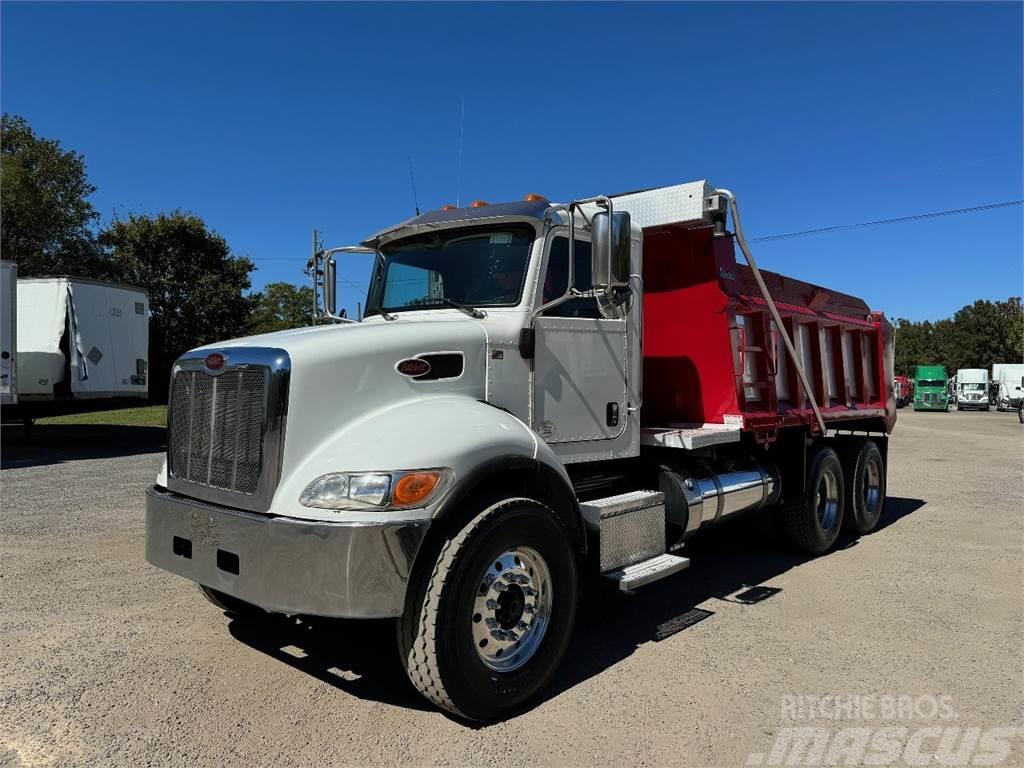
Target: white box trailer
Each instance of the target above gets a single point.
(8, 333)
(81, 340)
(1010, 379)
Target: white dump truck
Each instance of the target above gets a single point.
(81, 345)
(972, 388)
(539, 394)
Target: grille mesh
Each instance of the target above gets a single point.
(216, 428)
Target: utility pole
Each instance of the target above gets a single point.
(317, 272)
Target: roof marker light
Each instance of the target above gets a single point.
(447, 207)
(478, 204)
(533, 197)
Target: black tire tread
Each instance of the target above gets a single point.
(794, 512)
(417, 627)
(851, 460)
(231, 605)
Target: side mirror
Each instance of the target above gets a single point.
(609, 244)
(331, 286)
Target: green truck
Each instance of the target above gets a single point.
(931, 388)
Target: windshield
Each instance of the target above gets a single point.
(931, 383)
(477, 267)
(972, 387)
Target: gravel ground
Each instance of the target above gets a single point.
(108, 661)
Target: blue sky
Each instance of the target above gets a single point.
(268, 120)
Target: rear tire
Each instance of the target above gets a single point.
(814, 520)
(864, 478)
(481, 653)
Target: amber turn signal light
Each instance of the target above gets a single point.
(414, 488)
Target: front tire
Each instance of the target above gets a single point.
(485, 630)
(813, 521)
(232, 606)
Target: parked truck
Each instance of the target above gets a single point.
(931, 388)
(904, 388)
(972, 388)
(80, 345)
(539, 394)
(1009, 377)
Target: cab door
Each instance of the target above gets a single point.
(579, 389)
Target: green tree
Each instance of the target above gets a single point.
(48, 221)
(977, 336)
(197, 289)
(280, 306)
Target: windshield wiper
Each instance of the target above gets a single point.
(479, 314)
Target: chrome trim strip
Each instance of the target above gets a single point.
(278, 365)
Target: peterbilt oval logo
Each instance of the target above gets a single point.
(214, 361)
(413, 367)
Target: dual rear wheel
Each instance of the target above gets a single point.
(843, 491)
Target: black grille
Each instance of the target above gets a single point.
(217, 428)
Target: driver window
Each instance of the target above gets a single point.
(557, 277)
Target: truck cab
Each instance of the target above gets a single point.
(972, 386)
(931, 388)
(538, 394)
(1009, 384)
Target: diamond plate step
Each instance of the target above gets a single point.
(638, 574)
(632, 526)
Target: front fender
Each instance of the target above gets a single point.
(451, 431)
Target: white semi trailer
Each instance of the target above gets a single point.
(81, 345)
(972, 388)
(538, 394)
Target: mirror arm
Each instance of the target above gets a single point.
(571, 209)
(326, 258)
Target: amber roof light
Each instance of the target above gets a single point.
(533, 197)
(447, 207)
(478, 204)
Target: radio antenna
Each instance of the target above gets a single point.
(412, 180)
(458, 182)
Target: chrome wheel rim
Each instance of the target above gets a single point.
(828, 500)
(872, 485)
(512, 609)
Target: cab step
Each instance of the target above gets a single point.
(632, 576)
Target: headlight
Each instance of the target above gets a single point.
(380, 490)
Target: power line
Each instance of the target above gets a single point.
(803, 233)
(899, 220)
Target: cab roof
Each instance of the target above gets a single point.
(521, 210)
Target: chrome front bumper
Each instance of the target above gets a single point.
(280, 564)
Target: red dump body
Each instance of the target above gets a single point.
(712, 354)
